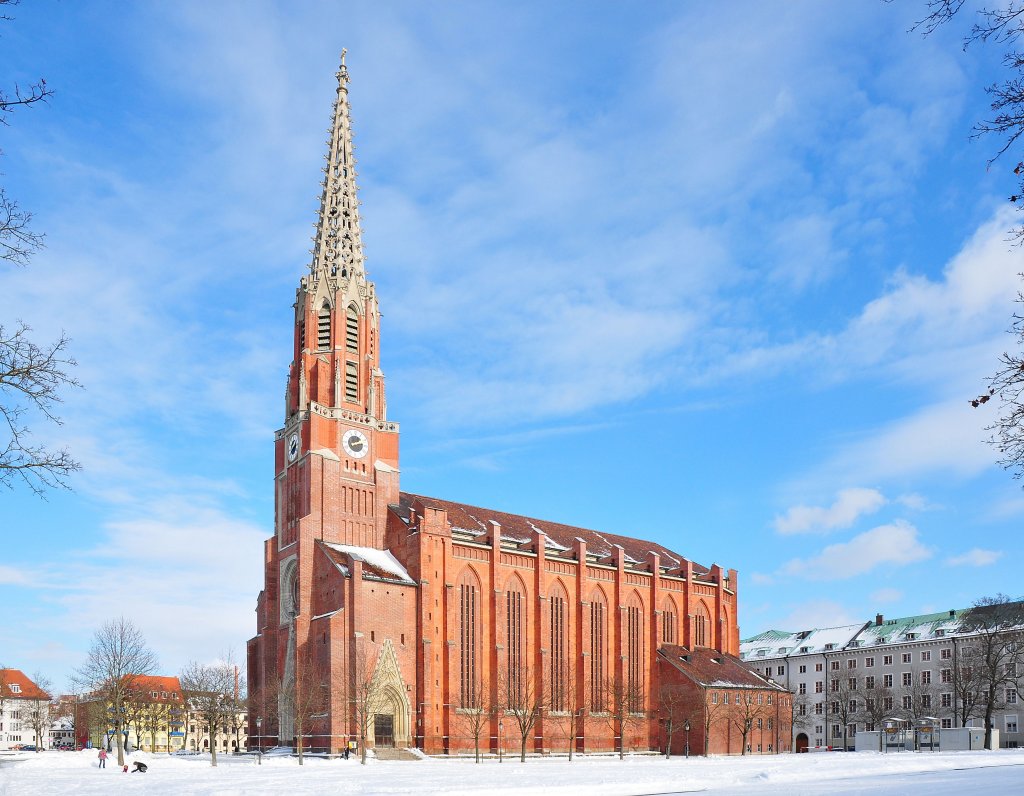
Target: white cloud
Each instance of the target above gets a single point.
(761, 579)
(850, 504)
(975, 557)
(886, 595)
(895, 544)
(816, 613)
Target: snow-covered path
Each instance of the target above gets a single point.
(59, 773)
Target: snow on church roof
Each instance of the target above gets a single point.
(378, 562)
(558, 537)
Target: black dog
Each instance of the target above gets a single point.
(139, 767)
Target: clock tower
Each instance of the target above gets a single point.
(336, 459)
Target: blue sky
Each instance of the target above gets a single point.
(721, 275)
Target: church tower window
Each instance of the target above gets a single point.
(352, 331)
(468, 641)
(598, 641)
(558, 658)
(351, 382)
(323, 327)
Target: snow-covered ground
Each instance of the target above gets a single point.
(53, 773)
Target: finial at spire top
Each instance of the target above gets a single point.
(342, 74)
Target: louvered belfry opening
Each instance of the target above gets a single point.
(323, 327)
(351, 382)
(352, 331)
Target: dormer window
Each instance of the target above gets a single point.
(15, 688)
(911, 636)
(830, 646)
(805, 649)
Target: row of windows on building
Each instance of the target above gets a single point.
(869, 662)
(888, 681)
(559, 674)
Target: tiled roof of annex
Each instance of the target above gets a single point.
(475, 520)
(712, 669)
(15, 684)
(922, 627)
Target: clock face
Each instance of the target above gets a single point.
(355, 443)
(293, 447)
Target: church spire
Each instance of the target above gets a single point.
(338, 247)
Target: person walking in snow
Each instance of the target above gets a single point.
(103, 757)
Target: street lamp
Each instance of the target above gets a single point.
(259, 741)
(686, 729)
(501, 732)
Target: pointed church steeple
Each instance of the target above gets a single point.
(338, 247)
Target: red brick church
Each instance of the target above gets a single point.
(447, 610)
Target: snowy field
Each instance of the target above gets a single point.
(53, 773)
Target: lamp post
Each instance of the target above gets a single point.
(501, 732)
(686, 729)
(259, 741)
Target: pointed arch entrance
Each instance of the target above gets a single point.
(390, 725)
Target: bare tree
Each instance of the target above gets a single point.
(675, 708)
(995, 638)
(919, 700)
(574, 703)
(156, 716)
(37, 711)
(626, 702)
(208, 689)
(748, 709)
(523, 700)
(968, 683)
(365, 692)
(475, 712)
(873, 709)
(31, 377)
(136, 706)
(305, 697)
(117, 658)
(845, 704)
(714, 711)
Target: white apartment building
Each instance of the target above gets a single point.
(907, 663)
(20, 701)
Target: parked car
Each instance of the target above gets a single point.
(27, 747)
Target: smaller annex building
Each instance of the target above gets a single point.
(716, 705)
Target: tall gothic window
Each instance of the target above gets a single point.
(635, 655)
(323, 326)
(352, 330)
(468, 629)
(558, 644)
(598, 644)
(515, 603)
(701, 626)
(668, 623)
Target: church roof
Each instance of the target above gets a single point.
(713, 669)
(514, 527)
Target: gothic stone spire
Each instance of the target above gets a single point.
(338, 248)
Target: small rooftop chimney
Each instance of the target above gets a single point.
(878, 620)
(952, 613)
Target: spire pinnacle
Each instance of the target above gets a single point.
(338, 248)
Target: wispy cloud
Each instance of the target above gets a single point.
(895, 544)
(975, 557)
(850, 505)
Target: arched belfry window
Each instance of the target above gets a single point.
(352, 330)
(323, 326)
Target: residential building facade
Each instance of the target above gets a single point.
(24, 707)
(913, 669)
